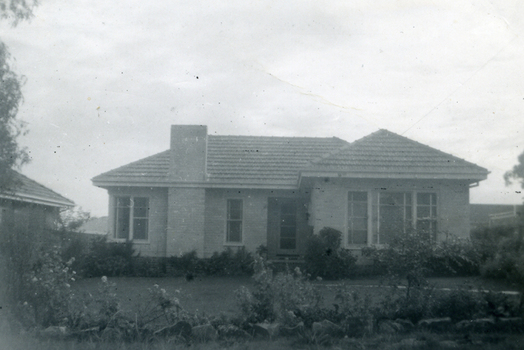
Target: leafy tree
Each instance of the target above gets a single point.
(11, 154)
(517, 173)
(17, 10)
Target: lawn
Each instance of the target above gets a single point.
(204, 295)
(214, 295)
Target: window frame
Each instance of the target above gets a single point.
(374, 220)
(351, 245)
(131, 220)
(433, 213)
(228, 220)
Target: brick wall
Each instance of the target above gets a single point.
(254, 230)
(188, 153)
(255, 217)
(454, 209)
(185, 226)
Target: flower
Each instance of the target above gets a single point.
(104, 279)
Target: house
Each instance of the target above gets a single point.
(30, 206)
(95, 226)
(491, 215)
(210, 192)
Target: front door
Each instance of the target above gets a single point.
(282, 226)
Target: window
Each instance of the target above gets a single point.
(399, 212)
(427, 214)
(234, 221)
(357, 218)
(395, 214)
(132, 218)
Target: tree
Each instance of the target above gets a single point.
(11, 154)
(17, 10)
(517, 173)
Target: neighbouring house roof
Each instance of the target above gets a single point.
(30, 191)
(280, 161)
(386, 154)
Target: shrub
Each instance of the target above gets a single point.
(507, 261)
(454, 257)
(325, 258)
(226, 262)
(459, 305)
(406, 257)
(486, 238)
(108, 259)
(98, 316)
(284, 297)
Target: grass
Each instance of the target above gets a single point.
(203, 295)
(214, 295)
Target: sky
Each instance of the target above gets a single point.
(106, 79)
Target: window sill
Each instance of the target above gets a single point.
(234, 244)
(356, 247)
(120, 240)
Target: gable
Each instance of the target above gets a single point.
(385, 154)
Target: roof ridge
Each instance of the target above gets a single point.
(404, 138)
(277, 137)
(343, 148)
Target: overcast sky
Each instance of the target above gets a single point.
(106, 79)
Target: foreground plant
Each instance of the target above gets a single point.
(277, 298)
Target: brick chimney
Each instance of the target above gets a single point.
(188, 153)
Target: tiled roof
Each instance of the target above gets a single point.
(268, 160)
(27, 190)
(388, 153)
(153, 169)
(235, 160)
(278, 161)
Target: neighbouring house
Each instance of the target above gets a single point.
(95, 226)
(491, 215)
(29, 206)
(210, 192)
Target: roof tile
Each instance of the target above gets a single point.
(279, 160)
